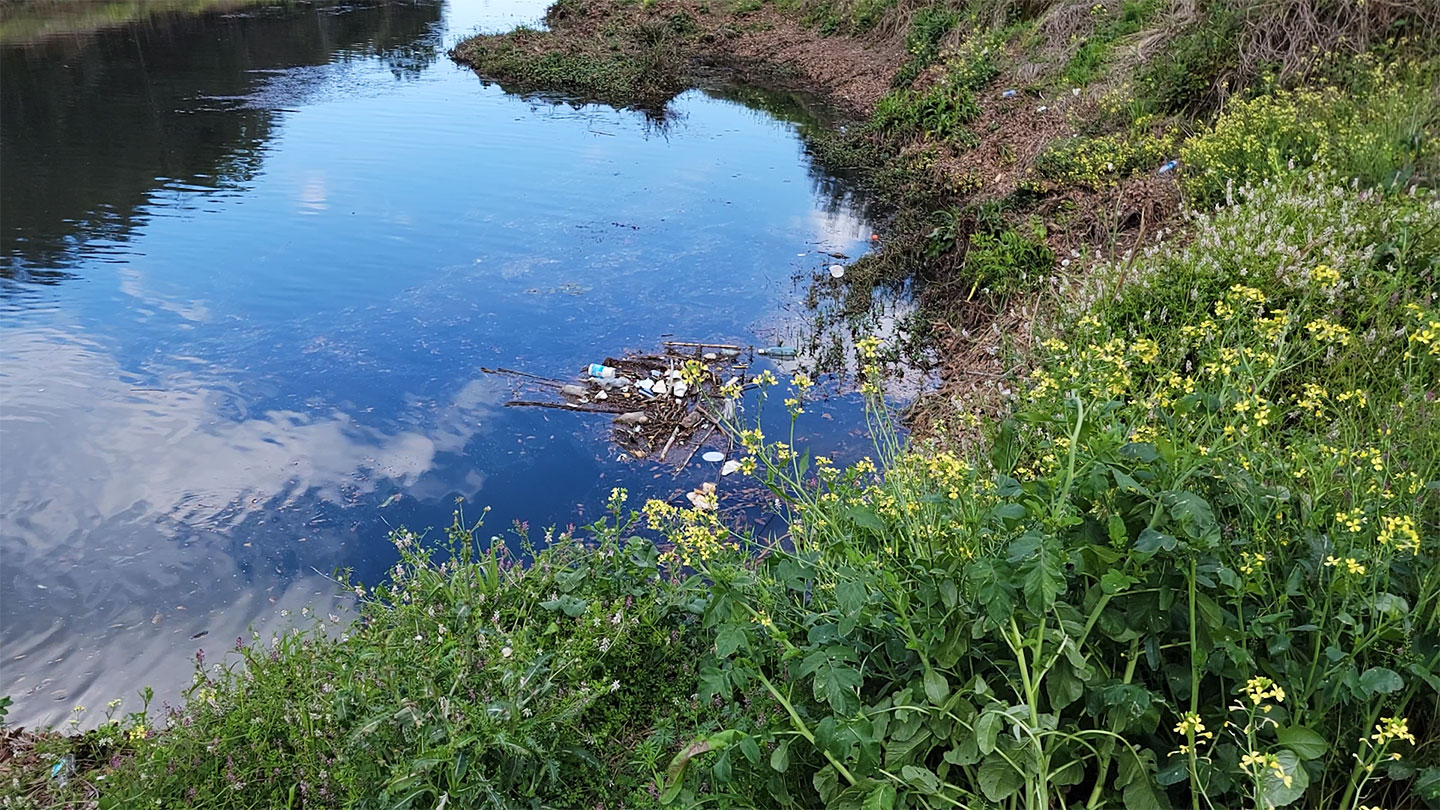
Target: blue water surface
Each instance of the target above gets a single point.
(253, 263)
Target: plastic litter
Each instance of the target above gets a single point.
(730, 467)
(837, 271)
(778, 351)
(704, 498)
(1169, 166)
(63, 770)
(714, 457)
(1009, 93)
(658, 401)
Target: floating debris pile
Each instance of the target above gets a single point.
(663, 404)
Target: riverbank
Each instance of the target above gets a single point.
(1178, 548)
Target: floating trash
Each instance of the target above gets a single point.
(667, 405)
(704, 498)
(779, 351)
(730, 467)
(714, 457)
(837, 271)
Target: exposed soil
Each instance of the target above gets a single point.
(852, 73)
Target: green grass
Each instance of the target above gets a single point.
(938, 113)
(928, 27)
(1090, 58)
(468, 678)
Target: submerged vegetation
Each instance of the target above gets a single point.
(1181, 550)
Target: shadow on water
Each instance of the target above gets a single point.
(95, 126)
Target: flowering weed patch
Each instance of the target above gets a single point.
(1197, 566)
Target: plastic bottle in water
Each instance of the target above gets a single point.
(778, 351)
(601, 371)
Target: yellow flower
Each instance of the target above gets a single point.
(1392, 728)
(1400, 533)
(1256, 763)
(1326, 332)
(1250, 563)
(1325, 275)
(1354, 519)
(1191, 724)
(1259, 688)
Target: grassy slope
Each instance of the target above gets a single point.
(1192, 560)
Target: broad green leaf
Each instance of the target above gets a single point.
(998, 780)
(987, 728)
(920, 779)
(1273, 790)
(1151, 541)
(826, 782)
(1062, 685)
(1380, 681)
(1305, 743)
(780, 757)
(750, 748)
(1005, 451)
(1128, 484)
(1141, 794)
(1008, 511)
(882, 797)
(1115, 581)
(570, 605)
(1115, 528)
(866, 519)
(850, 596)
(729, 639)
(1192, 512)
(936, 687)
(1039, 562)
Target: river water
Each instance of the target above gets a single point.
(253, 260)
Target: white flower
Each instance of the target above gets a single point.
(615, 686)
(506, 652)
